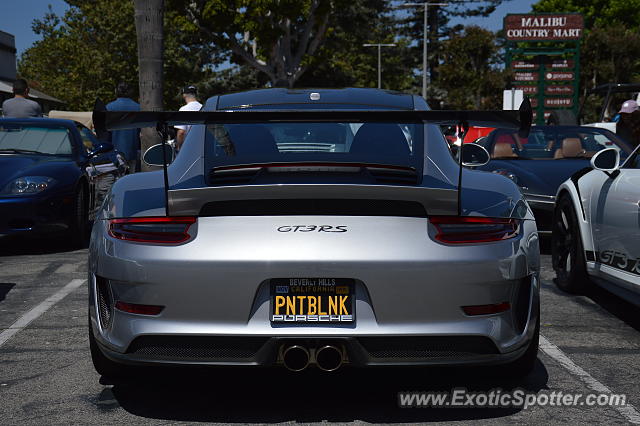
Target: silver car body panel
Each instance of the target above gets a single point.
(407, 284)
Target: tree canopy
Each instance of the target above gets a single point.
(470, 73)
(227, 45)
(603, 13)
(85, 53)
(610, 48)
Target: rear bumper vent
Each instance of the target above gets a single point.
(105, 302)
(428, 347)
(522, 303)
(314, 207)
(196, 348)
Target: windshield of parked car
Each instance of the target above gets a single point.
(553, 143)
(34, 140)
(377, 143)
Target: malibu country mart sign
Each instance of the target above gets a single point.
(543, 27)
(549, 74)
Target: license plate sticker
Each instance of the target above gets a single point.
(312, 300)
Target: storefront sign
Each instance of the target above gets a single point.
(532, 27)
(558, 102)
(559, 76)
(558, 90)
(526, 76)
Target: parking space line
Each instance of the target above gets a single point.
(628, 410)
(40, 309)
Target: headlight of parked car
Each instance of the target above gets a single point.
(508, 174)
(28, 185)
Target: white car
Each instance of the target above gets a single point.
(596, 227)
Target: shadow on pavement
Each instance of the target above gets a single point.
(616, 306)
(239, 395)
(24, 245)
(4, 289)
(613, 304)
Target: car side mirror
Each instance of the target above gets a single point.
(474, 155)
(153, 155)
(102, 148)
(607, 160)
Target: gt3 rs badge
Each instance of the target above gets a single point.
(313, 228)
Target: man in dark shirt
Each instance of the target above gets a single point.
(19, 106)
(127, 142)
(628, 126)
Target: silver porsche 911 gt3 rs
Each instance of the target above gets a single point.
(322, 228)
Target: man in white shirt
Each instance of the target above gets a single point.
(189, 94)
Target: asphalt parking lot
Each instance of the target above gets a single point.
(590, 345)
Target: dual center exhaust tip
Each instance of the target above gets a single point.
(327, 357)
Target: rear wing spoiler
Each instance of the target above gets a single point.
(105, 121)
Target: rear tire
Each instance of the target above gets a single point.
(562, 117)
(103, 365)
(567, 252)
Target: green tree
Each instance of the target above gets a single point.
(87, 51)
(610, 47)
(342, 60)
(83, 54)
(411, 27)
(275, 37)
(596, 12)
(471, 74)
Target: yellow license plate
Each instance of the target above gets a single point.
(312, 300)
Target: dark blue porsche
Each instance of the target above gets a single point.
(548, 157)
(54, 175)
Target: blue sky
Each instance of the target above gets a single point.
(16, 17)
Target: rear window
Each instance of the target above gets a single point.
(44, 140)
(378, 143)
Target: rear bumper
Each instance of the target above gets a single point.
(409, 291)
(360, 351)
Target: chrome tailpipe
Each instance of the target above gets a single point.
(329, 358)
(295, 357)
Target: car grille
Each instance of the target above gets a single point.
(105, 302)
(427, 347)
(196, 348)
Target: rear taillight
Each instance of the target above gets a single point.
(486, 309)
(468, 230)
(134, 308)
(159, 230)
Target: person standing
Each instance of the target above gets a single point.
(189, 95)
(628, 125)
(19, 106)
(127, 142)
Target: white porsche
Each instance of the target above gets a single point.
(596, 227)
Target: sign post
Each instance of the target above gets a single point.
(543, 52)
